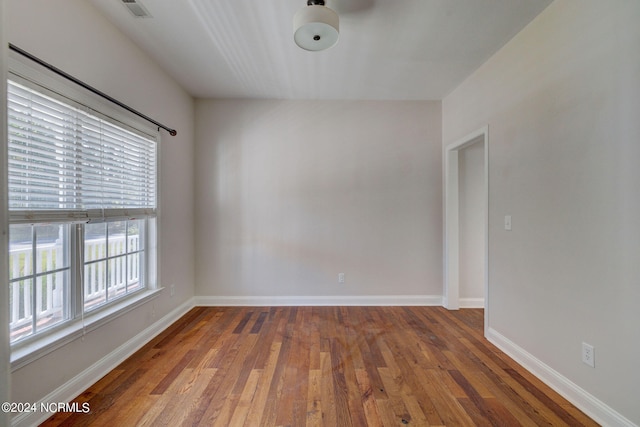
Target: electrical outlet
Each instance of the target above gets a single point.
(340, 277)
(172, 290)
(588, 354)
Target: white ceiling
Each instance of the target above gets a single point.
(388, 49)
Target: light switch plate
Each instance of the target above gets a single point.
(507, 222)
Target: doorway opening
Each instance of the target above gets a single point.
(466, 230)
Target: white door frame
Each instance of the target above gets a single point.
(451, 298)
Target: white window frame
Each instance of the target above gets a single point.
(31, 348)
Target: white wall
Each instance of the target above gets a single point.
(5, 375)
(73, 36)
(291, 193)
(471, 193)
(562, 101)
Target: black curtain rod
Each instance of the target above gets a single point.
(58, 71)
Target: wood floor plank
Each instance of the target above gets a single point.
(173, 399)
(368, 401)
(223, 401)
(191, 394)
(471, 375)
(322, 366)
(340, 391)
(371, 363)
(277, 380)
(387, 414)
(516, 398)
(314, 339)
(478, 418)
(547, 401)
(314, 399)
(302, 362)
(447, 405)
(405, 363)
(175, 371)
(397, 400)
(489, 408)
(257, 408)
(327, 390)
(131, 414)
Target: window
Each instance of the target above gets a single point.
(82, 207)
(113, 253)
(39, 276)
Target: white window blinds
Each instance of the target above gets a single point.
(65, 162)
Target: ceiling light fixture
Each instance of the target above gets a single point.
(315, 27)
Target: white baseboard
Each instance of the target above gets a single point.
(471, 302)
(372, 300)
(586, 402)
(89, 376)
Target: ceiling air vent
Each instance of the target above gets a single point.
(136, 8)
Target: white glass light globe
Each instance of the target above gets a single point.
(316, 28)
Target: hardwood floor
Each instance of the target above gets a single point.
(331, 366)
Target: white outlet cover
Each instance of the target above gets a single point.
(588, 354)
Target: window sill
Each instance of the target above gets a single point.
(24, 354)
